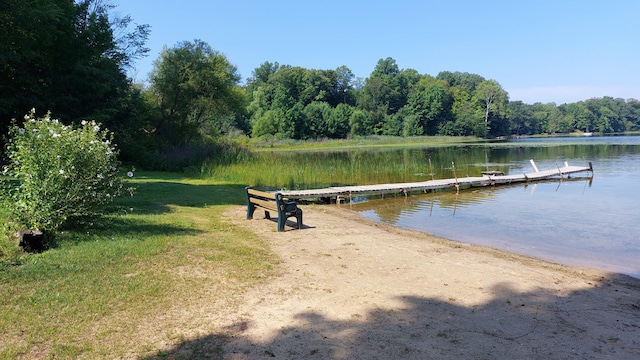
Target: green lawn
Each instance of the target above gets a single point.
(78, 298)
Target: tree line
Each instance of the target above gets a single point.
(72, 57)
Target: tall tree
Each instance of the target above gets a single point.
(493, 97)
(69, 57)
(196, 91)
(344, 84)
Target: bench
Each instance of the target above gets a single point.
(272, 202)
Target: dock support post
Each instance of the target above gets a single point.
(431, 169)
(534, 165)
(560, 172)
(456, 177)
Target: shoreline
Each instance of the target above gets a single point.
(349, 287)
(591, 272)
(593, 267)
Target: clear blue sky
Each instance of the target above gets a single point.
(539, 50)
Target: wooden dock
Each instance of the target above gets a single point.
(348, 192)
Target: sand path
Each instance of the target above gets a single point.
(353, 289)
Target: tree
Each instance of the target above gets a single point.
(196, 92)
(69, 57)
(493, 97)
(462, 80)
(580, 116)
(521, 118)
(359, 123)
(344, 79)
(316, 125)
(467, 120)
(338, 121)
(261, 74)
(383, 91)
(429, 104)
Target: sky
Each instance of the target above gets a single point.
(559, 51)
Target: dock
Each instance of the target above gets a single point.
(340, 193)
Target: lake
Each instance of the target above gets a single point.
(585, 221)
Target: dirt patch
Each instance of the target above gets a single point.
(354, 289)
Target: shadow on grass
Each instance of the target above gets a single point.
(117, 228)
(157, 197)
(155, 194)
(599, 322)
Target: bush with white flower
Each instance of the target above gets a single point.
(58, 173)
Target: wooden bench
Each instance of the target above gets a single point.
(272, 202)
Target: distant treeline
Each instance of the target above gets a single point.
(72, 57)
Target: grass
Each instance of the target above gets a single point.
(335, 167)
(165, 249)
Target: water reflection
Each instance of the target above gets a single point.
(578, 221)
(375, 166)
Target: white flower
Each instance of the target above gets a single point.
(96, 128)
(100, 176)
(21, 131)
(130, 174)
(33, 110)
(113, 168)
(61, 171)
(83, 122)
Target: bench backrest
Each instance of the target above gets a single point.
(263, 199)
(261, 194)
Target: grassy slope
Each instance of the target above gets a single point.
(165, 246)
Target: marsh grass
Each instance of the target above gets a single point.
(379, 161)
(166, 247)
(297, 170)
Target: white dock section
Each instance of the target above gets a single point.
(485, 180)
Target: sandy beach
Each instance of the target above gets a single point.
(354, 289)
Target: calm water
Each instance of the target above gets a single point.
(581, 221)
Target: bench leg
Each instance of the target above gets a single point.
(250, 209)
(299, 218)
(281, 221)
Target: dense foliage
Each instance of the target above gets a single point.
(71, 58)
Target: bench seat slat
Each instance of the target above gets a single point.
(265, 204)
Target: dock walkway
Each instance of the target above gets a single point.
(343, 192)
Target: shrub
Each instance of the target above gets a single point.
(9, 251)
(59, 172)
